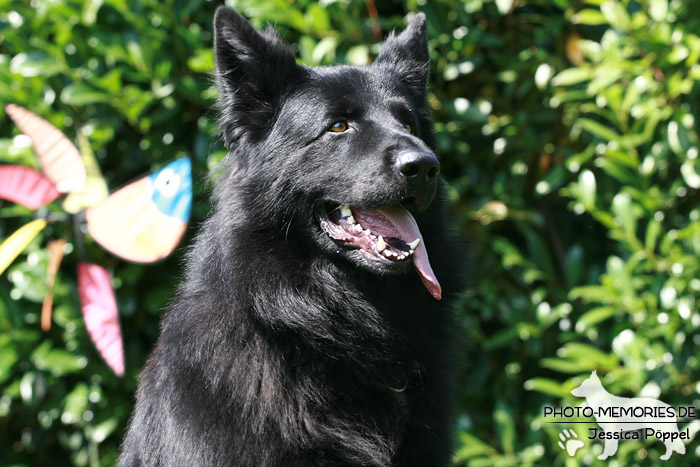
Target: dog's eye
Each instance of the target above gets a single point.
(339, 127)
(408, 127)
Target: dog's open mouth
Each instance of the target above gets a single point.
(388, 236)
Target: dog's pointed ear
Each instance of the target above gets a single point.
(253, 69)
(407, 53)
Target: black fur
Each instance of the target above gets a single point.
(282, 349)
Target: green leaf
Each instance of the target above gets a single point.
(60, 362)
(505, 425)
(574, 266)
(82, 94)
(573, 76)
(620, 173)
(501, 339)
(104, 429)
(587, 189)
(540, 253)
(8, 357)
(598, 129)
(504, 6)
(658, 9)
(623, 210)
(202, 61)
(75, 404)
(591, 293)
(358, 55)
(317, 17)
(594, 316)
(588, 355)
(676, 138)
(546, 386)
(616, 14)
(565, 366)
(471, 447)
(324, 50)
(678, 54)
(90, 9)
(26, 387)
(136, 56)
(652, 235)
(589, 17)
(35, 64)
(552, 181)
(110, 81)
(690, 175)
(134, 101)
(6, 92)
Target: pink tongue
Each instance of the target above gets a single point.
(408, 231)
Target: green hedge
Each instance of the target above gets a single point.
(567, 131)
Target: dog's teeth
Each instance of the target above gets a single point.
(381, 244)
(366, 232)
(345, 210)
(411, 251)
(387, 253)
(357, 228)
(351, 219)
(414, 244)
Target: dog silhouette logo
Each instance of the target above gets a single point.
(630, 418)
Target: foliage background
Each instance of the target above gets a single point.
(567, 130)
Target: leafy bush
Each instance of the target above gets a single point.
(567, 131)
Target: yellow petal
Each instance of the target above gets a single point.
(95, 186)
(18, 241)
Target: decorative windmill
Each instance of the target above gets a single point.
(142, 222)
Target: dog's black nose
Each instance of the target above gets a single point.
(419, 167)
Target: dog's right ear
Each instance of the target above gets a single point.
(407, 54)
(253, 69)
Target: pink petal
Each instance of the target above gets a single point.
(100, 313)
(60, 159)
(26, 186)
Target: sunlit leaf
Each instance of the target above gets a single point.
(616, 14)
(545, 386)
(35, 64)
(572, 76)
(589, 17)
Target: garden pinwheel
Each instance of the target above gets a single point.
(142, 222)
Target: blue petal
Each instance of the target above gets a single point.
(172, 189)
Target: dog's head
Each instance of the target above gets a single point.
(589, 386)
(339, 155)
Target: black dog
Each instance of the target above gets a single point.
(303, 335)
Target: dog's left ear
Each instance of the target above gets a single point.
(407, 54)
